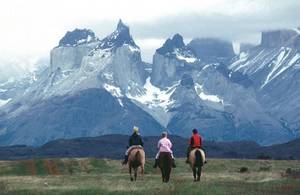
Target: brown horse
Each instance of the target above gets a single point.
(165, 165)
(197, 159)
(136, 159)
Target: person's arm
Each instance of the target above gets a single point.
(170, 143)
(141, 141)
(158, 144)
(130, 141)
(191, 141)
(200, 141)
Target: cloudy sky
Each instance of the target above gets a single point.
(31, 28)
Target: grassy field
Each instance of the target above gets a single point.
(101, 176)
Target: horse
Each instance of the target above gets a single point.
(136, 159)
(197, 159)
(165, 165)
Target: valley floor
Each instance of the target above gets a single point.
(102, 176)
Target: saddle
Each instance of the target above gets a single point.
(134, 147)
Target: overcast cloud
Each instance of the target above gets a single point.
(33, 27)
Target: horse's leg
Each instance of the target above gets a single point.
(135, 173)
(194, 172)
(162, 174)
(131, 178)
(168, 174)
(142, 171)
(199, 173)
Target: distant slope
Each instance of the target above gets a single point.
(113, 146)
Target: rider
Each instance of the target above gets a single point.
(135, 140)
(194, 142)
(164, 145)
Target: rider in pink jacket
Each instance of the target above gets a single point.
(164, 145)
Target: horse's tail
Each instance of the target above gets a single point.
(198, 161)
(138, 156)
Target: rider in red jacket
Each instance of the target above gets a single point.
(194, 142)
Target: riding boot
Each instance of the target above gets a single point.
(187, 161)
(173, 163)
(125, 160)
(187, 155)
(155, 164)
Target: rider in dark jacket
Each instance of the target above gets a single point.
(135, 140)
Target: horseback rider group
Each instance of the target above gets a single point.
(163, 145)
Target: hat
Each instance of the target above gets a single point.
(195, 131)
(165, 133)
(135, 129)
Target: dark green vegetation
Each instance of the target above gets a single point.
(102, 176)
(113, 146)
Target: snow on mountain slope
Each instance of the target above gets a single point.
(277, 52)
(3, 102)
(273, 69)
(207, 97)
(155, 101)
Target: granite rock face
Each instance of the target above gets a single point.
(72, 48)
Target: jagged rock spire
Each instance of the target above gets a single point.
(175, 42)
(118, 38)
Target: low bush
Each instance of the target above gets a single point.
(243, 169)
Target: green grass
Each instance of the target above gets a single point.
(102, 176)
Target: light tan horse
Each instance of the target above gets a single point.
(136, 159)
(197, 159)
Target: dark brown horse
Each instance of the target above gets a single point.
(136, 159)
(197, 159)
(165, 165)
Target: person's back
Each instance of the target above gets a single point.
(164, 145)
(135, 139)
(195, 140)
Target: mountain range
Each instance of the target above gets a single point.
(113, 146)
(96, 86)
